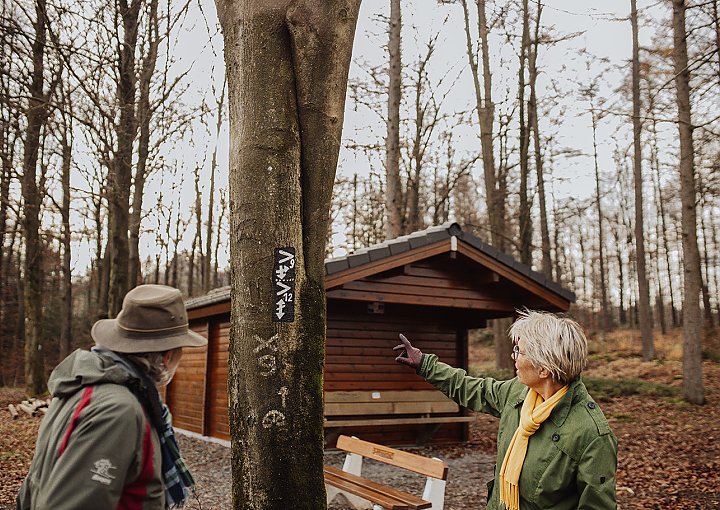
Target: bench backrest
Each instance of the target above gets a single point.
(434, 468)
(366, 403)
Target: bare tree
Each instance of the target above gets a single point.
(208, 281)
(37, 115)
(693, 388)
(66, 145)
(393, 189)
(648, 346)
(286, 118)
(534, 126)
(525, 225)
(495, 185)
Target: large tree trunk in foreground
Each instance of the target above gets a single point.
(648, 347)
(693, 389)
(287, 65)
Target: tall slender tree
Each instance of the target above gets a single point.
(693, 388)
(37, 114)
(645, 315)
(393, 186)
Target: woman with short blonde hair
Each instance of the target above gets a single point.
(555, 447)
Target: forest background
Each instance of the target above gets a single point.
(114, 155)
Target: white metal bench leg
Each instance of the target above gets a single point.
(435, 492)
(352, 465)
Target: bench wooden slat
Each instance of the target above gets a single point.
(412, 501)
(428, 467)
(386, 396)
(399, 421)
(365, 492)
(365, 408)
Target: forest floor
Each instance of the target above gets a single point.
(669, 451)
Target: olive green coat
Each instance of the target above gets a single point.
(572, 458)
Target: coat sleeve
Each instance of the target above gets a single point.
(101, 455)
(596, 474)
(486, 395)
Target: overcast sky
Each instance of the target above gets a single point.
(602, 34)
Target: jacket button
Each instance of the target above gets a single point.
(592, 405)
(555, 438)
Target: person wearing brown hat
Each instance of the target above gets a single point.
(107, 439)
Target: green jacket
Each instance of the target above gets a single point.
(95, 449)
(571, 460)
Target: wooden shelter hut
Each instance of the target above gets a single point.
(433, 285)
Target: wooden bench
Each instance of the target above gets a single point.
(370, 408)
(367, 494)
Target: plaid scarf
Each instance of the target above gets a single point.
(176, 476)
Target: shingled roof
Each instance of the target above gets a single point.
(402, 244)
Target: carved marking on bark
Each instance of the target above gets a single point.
(273, 418)
(269, 344)
(269, 363)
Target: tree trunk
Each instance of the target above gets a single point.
(533, 121)
(605, 312)
(208, 279)
(287, 68)
(393, 190)
(705, 262)
(494, 194)
(121, 173)
(525, 226)
(67, 305)
(33, 272)
(693, 389)
(197, 238)
(648, 345)
(143, 116)
(622, 315)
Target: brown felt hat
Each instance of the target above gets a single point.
(152, 319)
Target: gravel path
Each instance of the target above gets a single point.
(469, 471)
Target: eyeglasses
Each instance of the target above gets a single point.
(516, 351)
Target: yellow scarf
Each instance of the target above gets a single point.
(534, 411)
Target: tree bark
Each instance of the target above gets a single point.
(67, 306)
(142, 121)
(494, 191)
(287, 65)
(208, 279)
(525, 225)
(693, 389)
(605, 312)
(393, 190)
(121, 173)
(533, 116)
(645, 312)
(33, 273)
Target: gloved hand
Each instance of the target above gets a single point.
(409, 355)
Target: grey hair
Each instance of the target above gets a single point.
(153, 365)
(557, 344)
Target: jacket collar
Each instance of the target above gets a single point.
(562, 409)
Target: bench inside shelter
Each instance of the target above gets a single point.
(428, 408)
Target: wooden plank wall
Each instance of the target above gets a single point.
(359, 356)
(186, 392)
(359, 353)
(217, 402)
